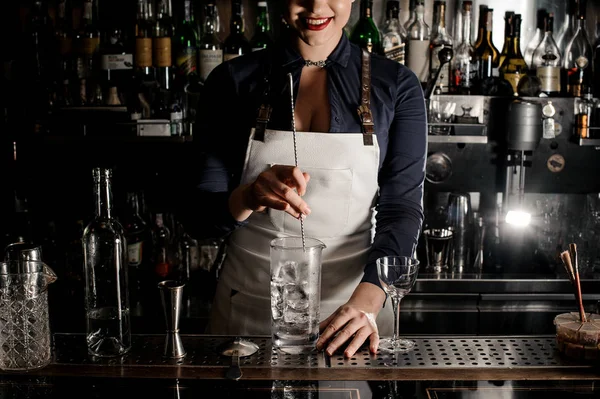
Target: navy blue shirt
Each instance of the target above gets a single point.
(235, 90)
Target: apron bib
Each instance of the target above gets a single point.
(341, 194)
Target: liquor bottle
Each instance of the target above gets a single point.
(236, 43)
(578, 55)
(486, 53)
(88, 40)
(537, 37)
(514, 66)
(508, 16)
(567, 30)
(464, 68)
(546, 60)
(162, 45)
(39, 43)
(211, 50)
(186, 44)
(143, 42)
(417, 52)
(439, 40)
(139, 251)
(365, 33)
(162, 248)
(262, 30)
(394, 34)
(116, 61)
(105, 259)
(596, 66)
(64, 41)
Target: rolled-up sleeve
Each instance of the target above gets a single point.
(401, 178)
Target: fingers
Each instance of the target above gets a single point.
(281, 188)
(348, 325)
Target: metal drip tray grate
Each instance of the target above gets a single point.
(486, 352)
(202, 350)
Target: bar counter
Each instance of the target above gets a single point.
(434, 358)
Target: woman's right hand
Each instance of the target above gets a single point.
(281, 187)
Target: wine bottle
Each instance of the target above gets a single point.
(162, 42)
(88, 41)
(546, 60)
(508, 16)
(186, 42)
(394, 34)
(514, 66)
(262, 30)
(211, 50)
(143, 42)
(486, 53)
(537, 37)
(236, 43)
(417, 52)
(439, 40)
(105, 259)
(578, 55)
(365, 33)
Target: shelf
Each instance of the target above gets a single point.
(111, 139)
(457, 139)
(589, 142)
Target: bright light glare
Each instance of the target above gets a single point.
(518, 218)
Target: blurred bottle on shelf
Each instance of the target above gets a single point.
(64, 41)
(262, 31)
(394, 34)
(514, 67)
(162, 47)
(508, 16)
(578, 55)
(546, 60)
(211, 49)
(365, 33)
(417, 52)
(88, 41)
(236, 43)
(538, 35)
(464, 67)
(440, 39)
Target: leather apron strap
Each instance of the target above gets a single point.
(364, 109)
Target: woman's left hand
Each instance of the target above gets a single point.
(353, 322)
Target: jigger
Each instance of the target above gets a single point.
(170, 293)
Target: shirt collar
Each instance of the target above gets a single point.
(289, 56)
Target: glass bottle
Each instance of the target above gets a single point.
(417, 52)
(546, 60)
(567, 30)
(262, 30)
(394, 34)
(186, 44)
(439, 40)
(365, 33)
(514, 66)
(88, 41)
(236, 43)
(211, 51)
(412, 16)
(162, 45)
(537, 37)
(508, 16)
(486, 53)
(464, 67)
(64, 41)
(105, 259)
(139, 250)
(481, 27)
(578, 55)
(585, 108)
(596, 66)
(162, 249)
(143, 42)
(116, 63)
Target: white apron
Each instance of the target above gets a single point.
(341, 194)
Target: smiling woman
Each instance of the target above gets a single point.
(361, 146)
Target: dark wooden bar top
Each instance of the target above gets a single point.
(435, 358)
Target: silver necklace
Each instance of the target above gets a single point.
(320, 64)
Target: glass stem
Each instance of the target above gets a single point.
(396, 305)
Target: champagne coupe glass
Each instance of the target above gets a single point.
(397, 275)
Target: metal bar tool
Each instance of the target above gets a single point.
(171, 292)
(296, 149)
